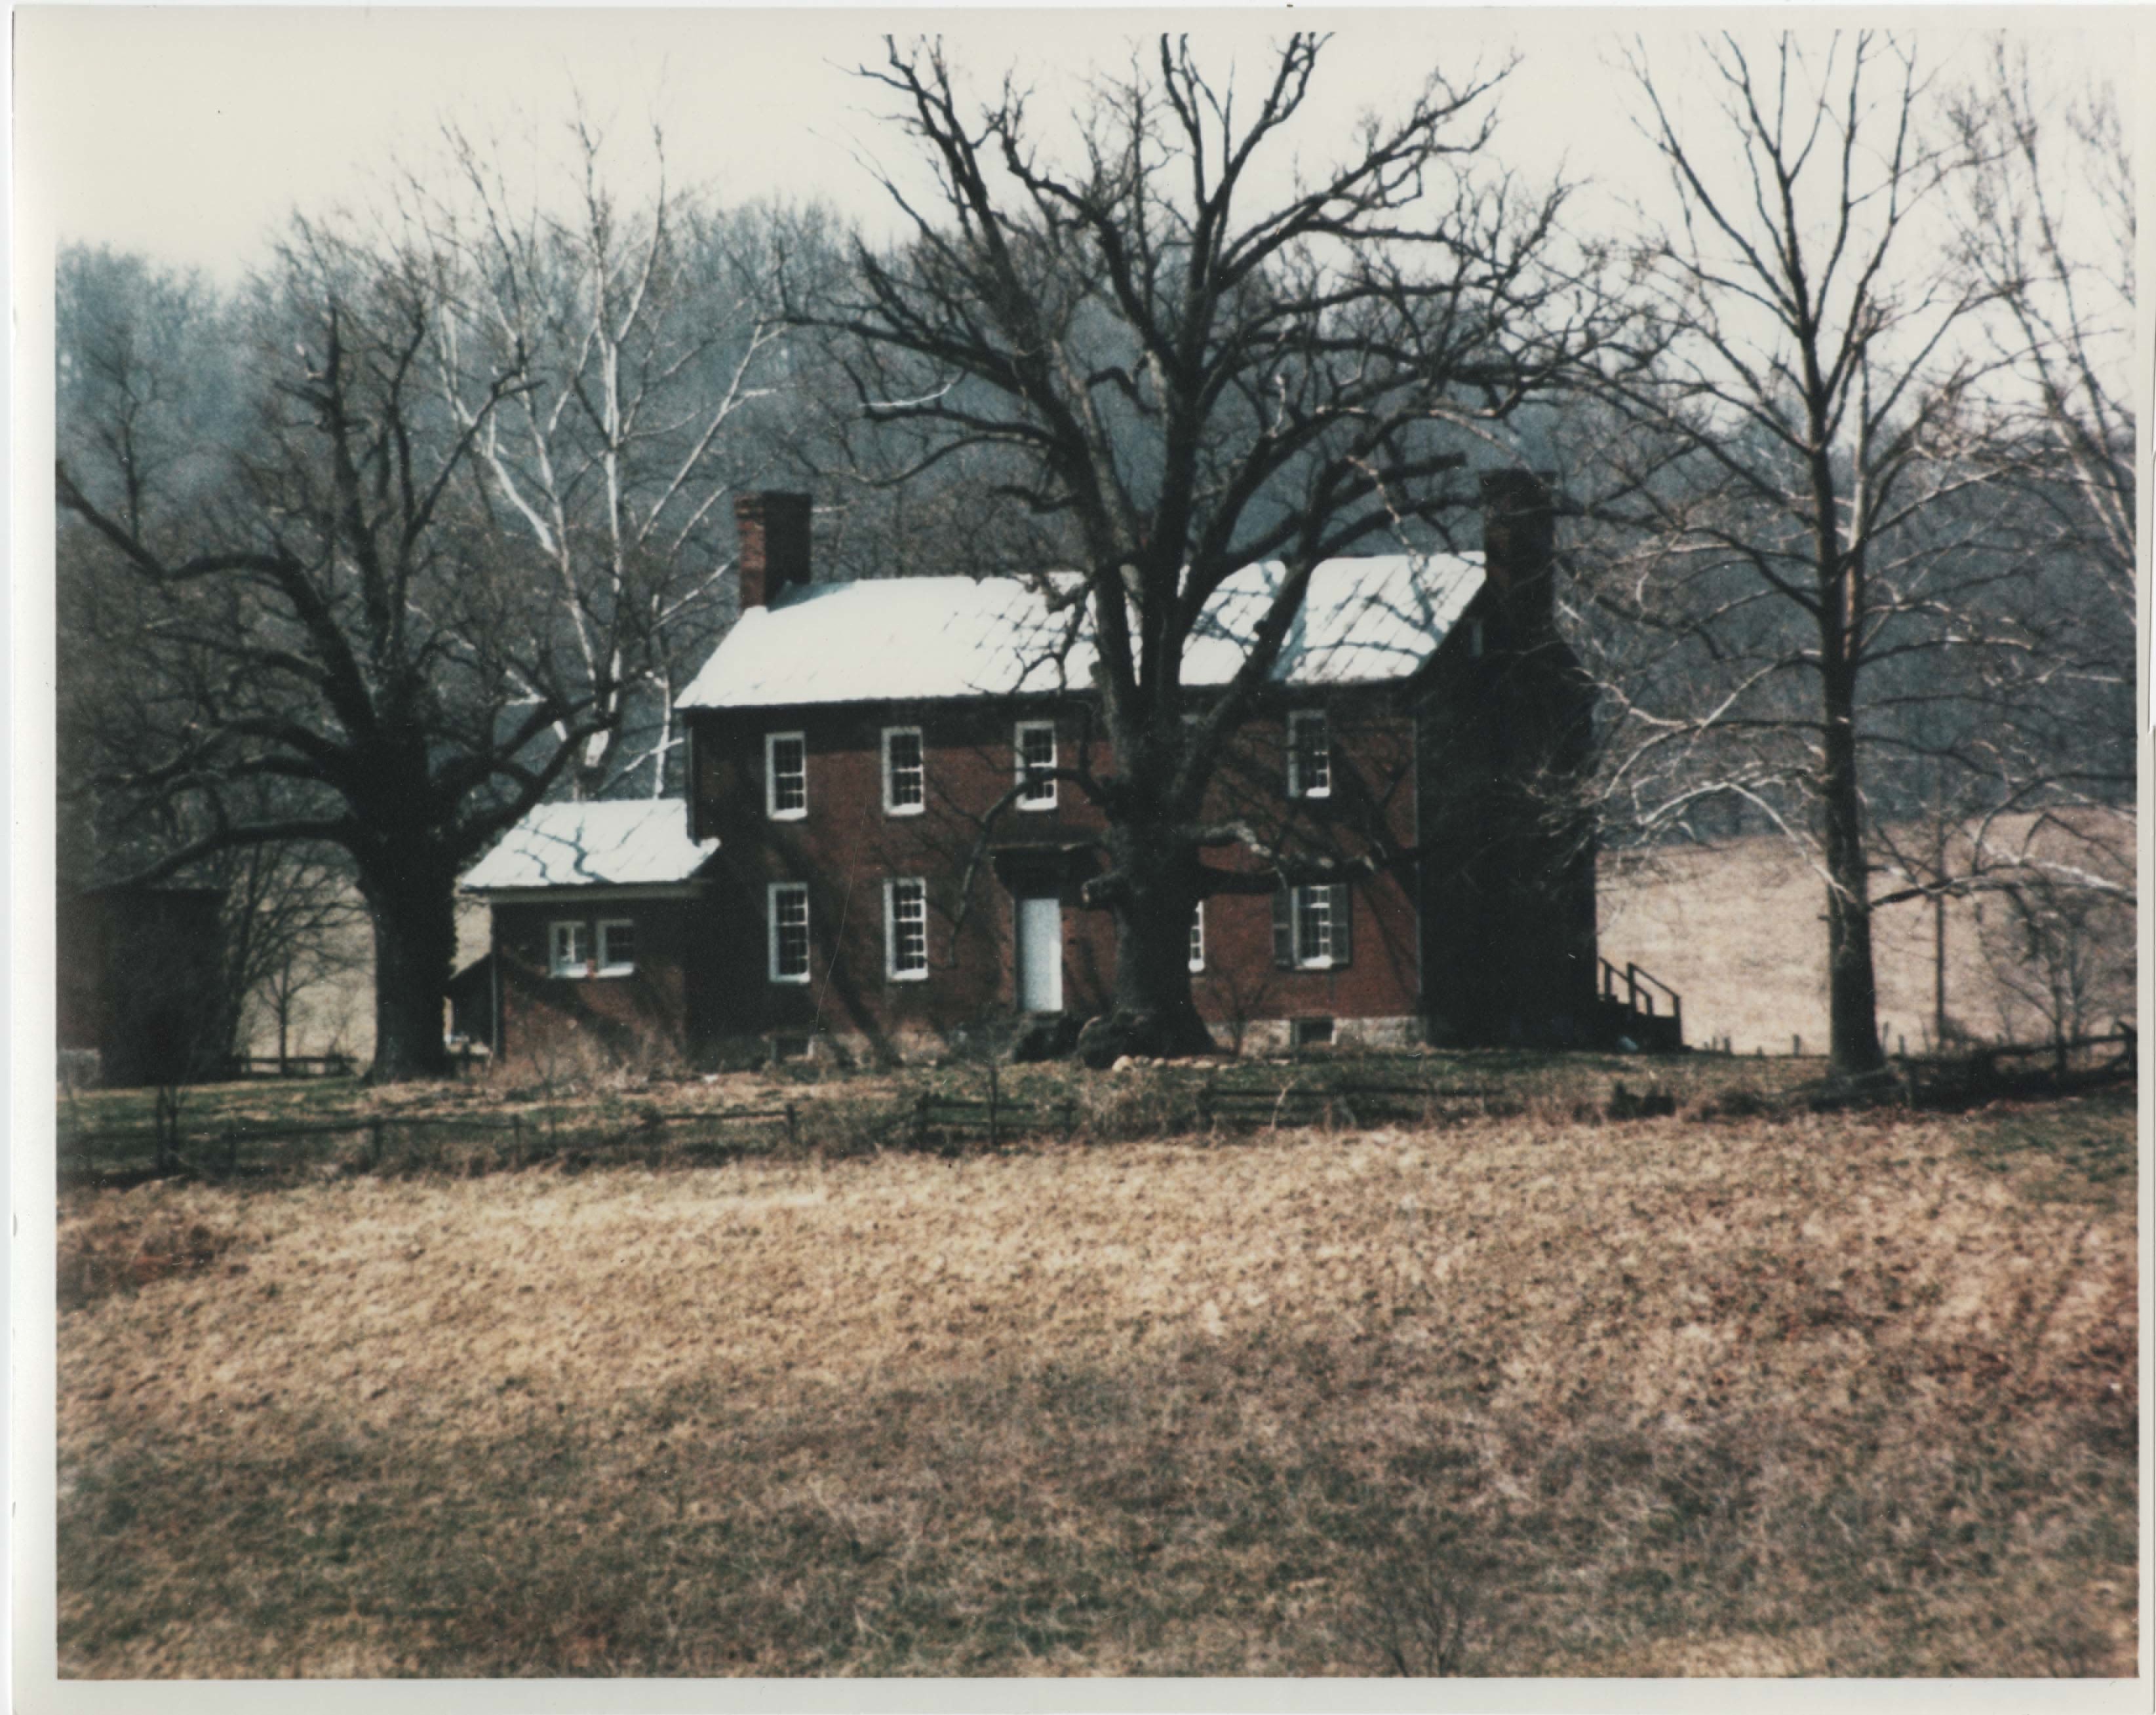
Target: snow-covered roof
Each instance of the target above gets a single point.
(639, 842)
(1363, 620)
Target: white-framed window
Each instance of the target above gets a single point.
(905, 772)
(788, 913)
(1474, 638)
(786, 776)
(1312, 927)
(1198, 936)
(569, 949)
(617, 946)
(906, 929)
(1309, 754)
(1034, 745)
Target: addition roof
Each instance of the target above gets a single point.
(626, 842)
(1364, 620)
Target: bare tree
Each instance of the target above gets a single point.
(290, 914)
(2045, 221)
(640, 335)
(1789, 573)
(1171, 380)
(2061, 952)
(328, 616)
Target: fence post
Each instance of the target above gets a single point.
(1796, 1047)
(374, 1145)
(921, 1120)
(792, 1130)
(516, 1139)
(995, 1140)
(1070, 1116)
(231, 1151)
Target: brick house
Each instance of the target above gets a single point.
(601, 926)
(864, 862)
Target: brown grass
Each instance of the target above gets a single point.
(1827, 1395)
(110, 1249)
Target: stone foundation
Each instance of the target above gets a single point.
(1261, 1037)
(1264, 1036)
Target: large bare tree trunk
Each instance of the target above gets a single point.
(415, 943)
(1152, 1011)
(1852, 993)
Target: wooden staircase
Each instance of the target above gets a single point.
(1641, 1009)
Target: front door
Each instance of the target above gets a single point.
(1040, 954)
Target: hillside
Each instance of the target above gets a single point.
(1739, 930)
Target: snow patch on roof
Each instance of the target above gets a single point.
(639, 843)
(1363, 620)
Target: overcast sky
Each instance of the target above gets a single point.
(191, 134)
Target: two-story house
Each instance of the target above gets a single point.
(871, 857)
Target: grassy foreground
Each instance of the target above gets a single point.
(1523, 1394)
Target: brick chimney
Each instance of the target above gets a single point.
(774, 545)
(1519, 545)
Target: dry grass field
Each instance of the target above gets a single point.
(1526, 1393)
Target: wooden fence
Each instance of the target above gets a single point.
(930, 1118)
(519, 1139)
(922, 1119)
(245, 1065)
(1985, 1073)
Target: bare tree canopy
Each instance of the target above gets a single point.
(2044, 216)
(1808, 602)
(319, 642)
(1177, 378)
(643, 336)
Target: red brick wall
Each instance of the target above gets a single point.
(1372, 786)
(847, 845)
(649, 1009)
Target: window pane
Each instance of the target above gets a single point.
(908, 938)
(906, 783)
(1313, 925)
(1036, 750)
(789, 772)
(1313, 754)
(617, 945)
(791, 905)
